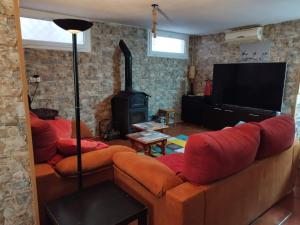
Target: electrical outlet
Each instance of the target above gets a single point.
(35, 79)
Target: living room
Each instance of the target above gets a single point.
(170, 65)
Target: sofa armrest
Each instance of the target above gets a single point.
(150, 173)
(43, 170)
(188, 201)
(91, 161)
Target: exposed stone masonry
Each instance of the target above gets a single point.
(15, 183)
(102, 74)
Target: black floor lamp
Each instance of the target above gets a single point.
(102, 204)
(75, 26)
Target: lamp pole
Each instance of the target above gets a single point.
(77, 110)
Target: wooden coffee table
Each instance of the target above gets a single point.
(151, 125)
(145, 139)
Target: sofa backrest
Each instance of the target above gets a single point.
(211, 156)
(277, 135)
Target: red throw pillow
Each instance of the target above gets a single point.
(173, 161)
(55, 159)
(214, 155)
(277, 135)
(44, 140)
(85, 132)
(62, 127)
(67, 147)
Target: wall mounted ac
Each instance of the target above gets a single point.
(252, 34)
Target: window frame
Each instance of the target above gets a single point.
(168, 34)
(40, 15)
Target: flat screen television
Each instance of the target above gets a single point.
(255, 85)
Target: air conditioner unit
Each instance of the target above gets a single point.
(245, 35)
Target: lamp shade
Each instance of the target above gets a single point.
(73, 25)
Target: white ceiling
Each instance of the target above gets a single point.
(188, 16)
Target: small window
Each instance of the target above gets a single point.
(43, 33)
(167, 44)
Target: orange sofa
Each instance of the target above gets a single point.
(56, 181)
(235, 200)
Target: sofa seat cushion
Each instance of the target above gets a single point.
(67, 146)
(173, 161)
(277, 135)
(214, 155)
(44, 139)
(91, 161)
(149, 172)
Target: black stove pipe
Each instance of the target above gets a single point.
(128, 66)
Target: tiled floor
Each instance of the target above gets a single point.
(285, 212)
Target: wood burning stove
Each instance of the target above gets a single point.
(128, 107)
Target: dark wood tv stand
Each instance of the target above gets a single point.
(199, 110)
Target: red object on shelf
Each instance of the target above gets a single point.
(208, 88)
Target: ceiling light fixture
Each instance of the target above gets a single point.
(154, 19)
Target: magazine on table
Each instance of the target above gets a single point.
(151, 136)
(149, 125)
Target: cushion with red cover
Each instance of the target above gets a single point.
(44, 139)
(55, 159)
(62, 127)
(214, 155)
(85, 132)
(173, 161)
(277, 135)
(67, 147)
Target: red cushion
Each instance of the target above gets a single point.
(214, 155)
(67, 147)
(55, 159)
(62, 127)
(277, 135)
(44, 140)
(32, 114)
(173, 161)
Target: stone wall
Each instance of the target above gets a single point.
(102, 74)
(285, 38)
(15, 184)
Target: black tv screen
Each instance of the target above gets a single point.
(256, 85)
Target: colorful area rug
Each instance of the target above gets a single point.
(174, 145)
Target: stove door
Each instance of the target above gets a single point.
(138, 101)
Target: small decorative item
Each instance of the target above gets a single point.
(208, 88)
(256, 52)
(191, 76)
(155, 11)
